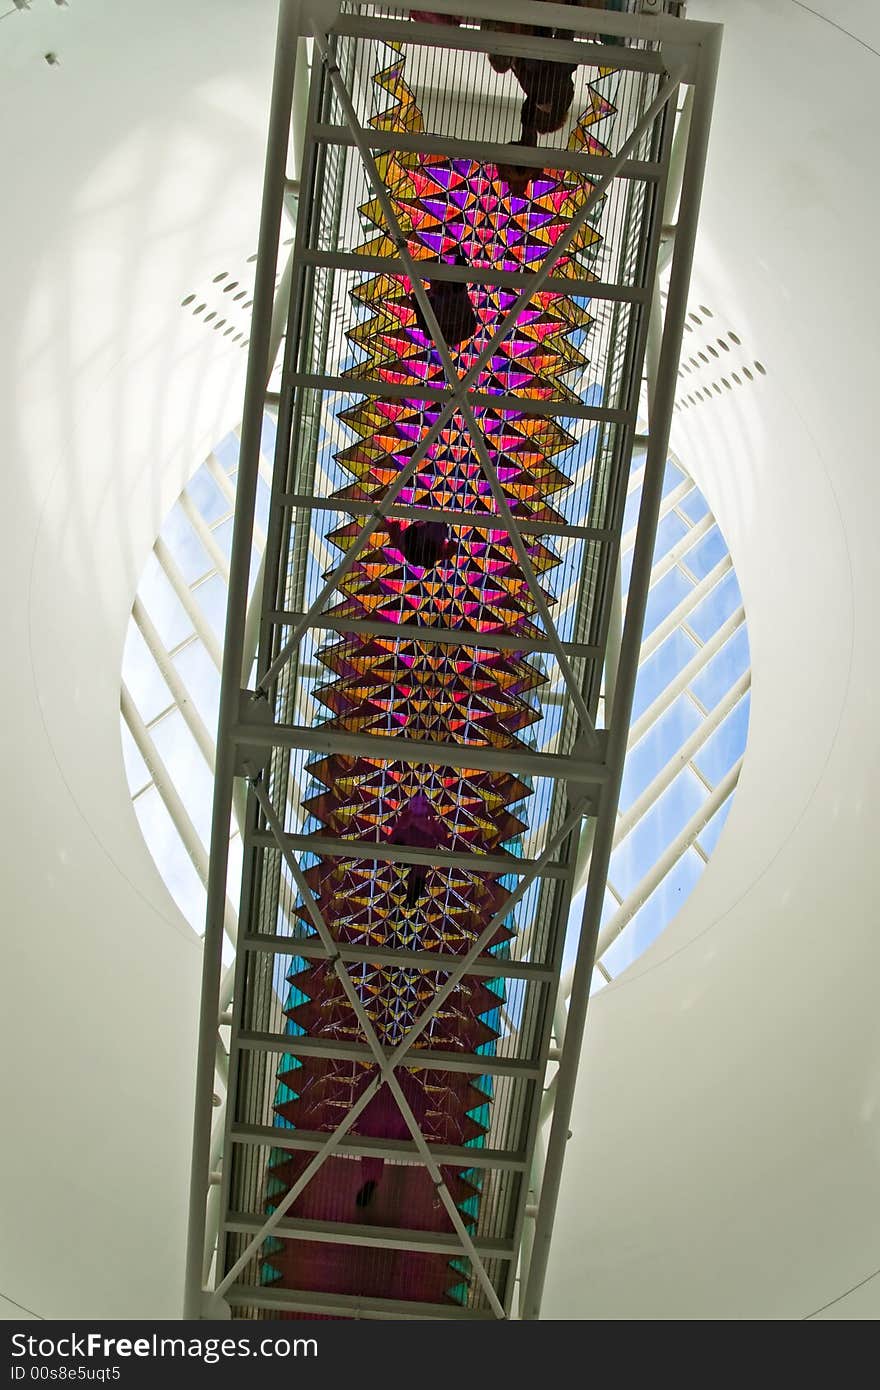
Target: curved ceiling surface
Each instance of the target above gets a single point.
(730, 1094)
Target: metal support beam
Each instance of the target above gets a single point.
(561, 408)
(380, 1237)
(655, 467)
(345, 1305)
(448, 636)
(401, 1150)
(489, 152)
(499, 41)
(575, 286)
(233, 651)
(478, 521)
(392, 748)
(498, 968)
(474, 862)
(471, 1063)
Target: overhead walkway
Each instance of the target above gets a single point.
(423, 736)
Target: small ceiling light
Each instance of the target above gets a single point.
(52, 59)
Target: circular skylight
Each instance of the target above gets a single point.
(690, 716)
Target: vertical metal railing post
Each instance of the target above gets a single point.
(695, 160)
(249, 457)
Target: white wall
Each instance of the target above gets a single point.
(132, 172)
(724, 1161)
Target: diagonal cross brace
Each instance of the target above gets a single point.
(375, 1047)
(543, 273)
(387, 1065)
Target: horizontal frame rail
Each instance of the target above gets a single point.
(558, 409)
(385, 748)
(423, 1057)
(490, 152)
(489, 521)
(577, 287)
(313, 949)
(420, 632)
(334, 847)
(381, 1237)
(357, 1146)
(346, 1305)
(496, 40)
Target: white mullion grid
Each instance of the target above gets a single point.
(186, 597)
(206, 535)
(658, 636)
(667, 861)
(173, 802)
(181, 698)
(159, 718)
(686, 675)
(227, 487)
(683, 758)
(182, 645)
(674, 555)
(669, 503)
(662, 566)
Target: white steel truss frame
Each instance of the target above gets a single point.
(694, 50)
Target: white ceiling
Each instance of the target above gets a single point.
(724, 1161)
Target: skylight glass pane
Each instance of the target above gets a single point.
(653, 916)
(705, 555)
(166, 847)
(694, 505)
(575, 916)
(187, 769)
(727, 744)
(657, 748)
(710, 836)
(226, 452)
(136, 770)
(143, 678)
(209, 500)
(631, 511)
(656, 830)
(267, 440)
(162, 604)
(662, 666)
(725, 667)
(672, 477)
(665, 596)
(669, 533)
(223, 536)
(212, 600)
(263, 496)
(202, 681)
(185, 546)
(723, 599)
